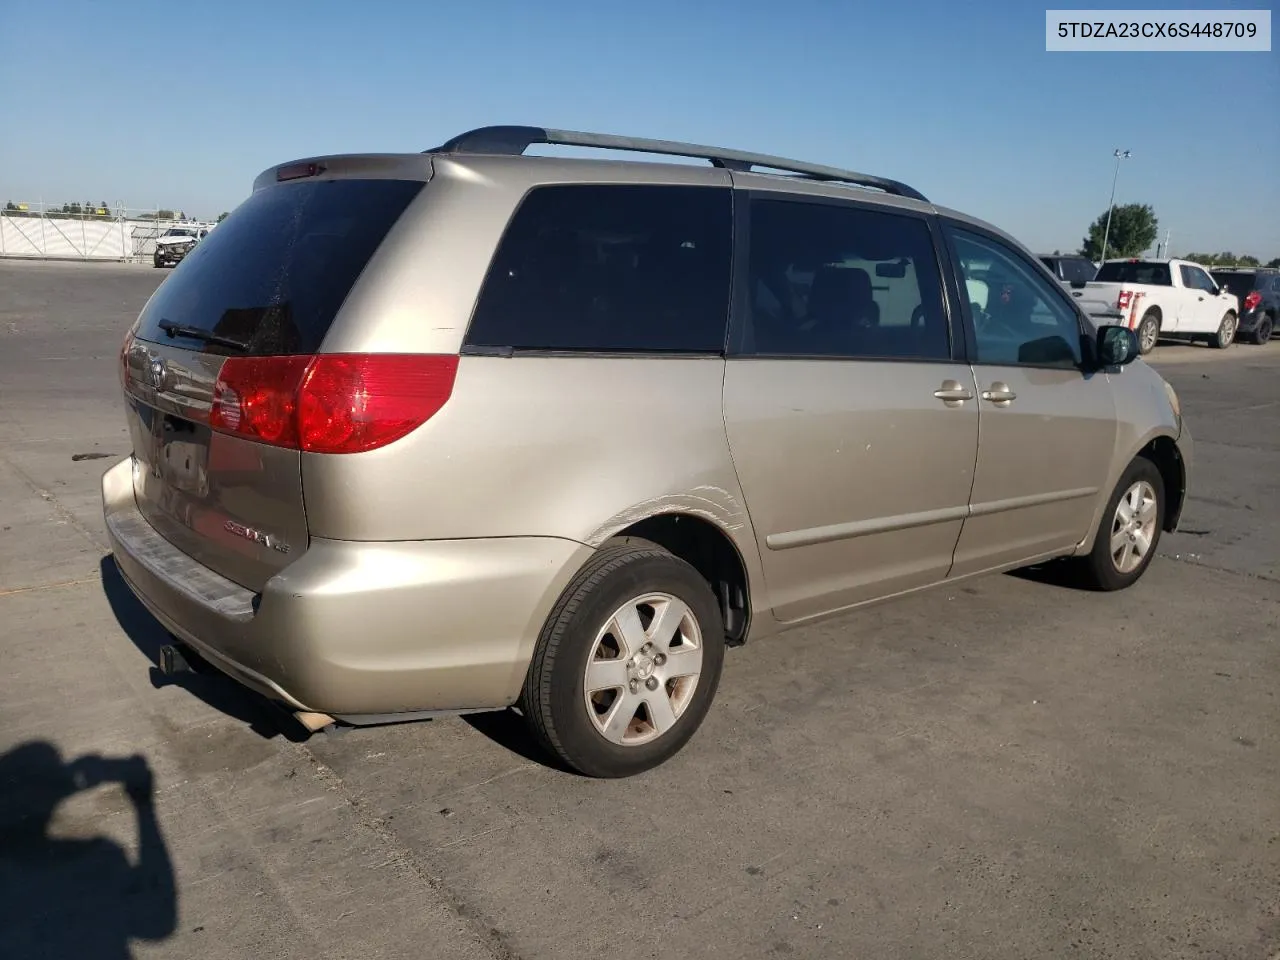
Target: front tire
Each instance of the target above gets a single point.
(1148, 332)
(1226, 334)
(1129, 532)
(627, 664)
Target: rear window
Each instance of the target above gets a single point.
(614, 268)
(1078, 270)
(275, 273)
(1241, 284)
(1154, 274)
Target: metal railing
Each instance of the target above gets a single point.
(74, 231)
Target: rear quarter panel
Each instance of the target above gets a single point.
(572, 447)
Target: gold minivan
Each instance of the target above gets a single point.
(474, 429)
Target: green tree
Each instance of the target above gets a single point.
(1134, 228)
(1274, 263)
(222, 216)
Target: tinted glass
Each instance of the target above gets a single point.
(1077, 270)
(1155, 274)
(1196, 279)
(1052, 264)
(276, 271)
(611, 269)
(1018, 316)
(836, 281)
(1241, 284)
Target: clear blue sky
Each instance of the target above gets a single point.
(181, 104)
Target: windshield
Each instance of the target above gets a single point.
(1137, 271)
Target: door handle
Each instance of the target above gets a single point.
(952, 393)
(999, 394)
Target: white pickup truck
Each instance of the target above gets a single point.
(1167, 298)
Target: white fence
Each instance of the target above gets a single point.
(59, 236)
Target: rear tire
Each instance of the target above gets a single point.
(1226, 334)
(627, 664)
(1129, 531)
(1262, 332)
(1148, 332)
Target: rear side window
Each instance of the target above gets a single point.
(828, 280)
(610, 268)
(1154, 274)
(274, 274)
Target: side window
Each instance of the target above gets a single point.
(839, 281)
(1196, 279)
(612, 268)
(1020, 318)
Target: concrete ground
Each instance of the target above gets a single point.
(1005, 769)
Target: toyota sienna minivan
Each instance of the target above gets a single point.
(474, 429)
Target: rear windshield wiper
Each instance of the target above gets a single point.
(195, 333)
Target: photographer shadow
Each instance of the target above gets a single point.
(78, 897)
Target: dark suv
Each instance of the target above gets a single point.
(1258, 289)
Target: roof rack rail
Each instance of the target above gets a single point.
(514, 140)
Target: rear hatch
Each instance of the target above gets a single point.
(256, 297)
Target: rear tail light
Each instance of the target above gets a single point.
(1122, 300)
(1252, 300)
(331, 403)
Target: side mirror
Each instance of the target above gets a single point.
(1117, 346)
(1077, 284)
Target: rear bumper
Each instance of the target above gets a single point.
(1249, 321)
(354, 629)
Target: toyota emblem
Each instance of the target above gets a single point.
(159, 372)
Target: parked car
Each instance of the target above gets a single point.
(175, 243)
(1167, 298)
(469, 429)
(1258, 291)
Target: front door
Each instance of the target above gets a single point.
(852, 428)
(1202, 309)
(1047, 428)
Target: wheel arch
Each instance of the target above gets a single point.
(1161, 448)
(1164, 453)
(711, 550)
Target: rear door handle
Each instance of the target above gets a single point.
(999, 393)
(953, 393)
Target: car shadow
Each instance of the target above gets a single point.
(204, 681)
(78, 897)
(1054, 573)
(508, 730)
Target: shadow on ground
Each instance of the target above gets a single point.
(65, 895)
(218, 691)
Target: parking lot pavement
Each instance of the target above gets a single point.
(1006, 768)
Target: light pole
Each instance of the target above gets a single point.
(1106, 234)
